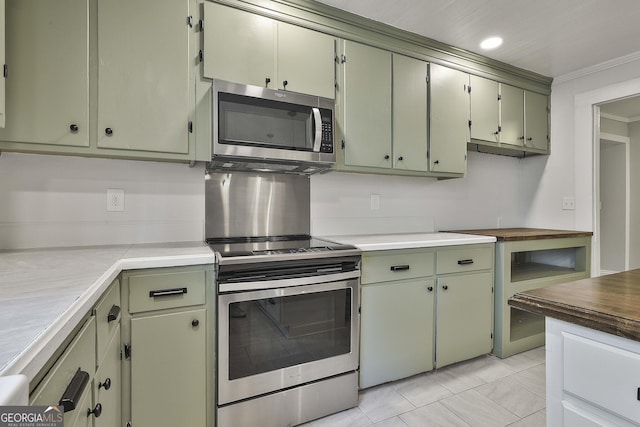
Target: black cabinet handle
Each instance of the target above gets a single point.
(97, 411)
(195, 322)
(400, 158)
(113, 313)
(399, 267)
(530, 139)
(73, 127)
(445, 287)
(167, 292)
(386, 157)
(436, 162)
(285, 83)
(430, 288)
(521, 138)
(465, 261)
(267, 81)
(106, 384)
(638, 396)
(74, 390)
(108, 131)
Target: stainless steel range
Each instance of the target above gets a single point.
(288, 304)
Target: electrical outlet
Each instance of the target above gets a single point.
(568, 203)
(115, 200)
(375, 202)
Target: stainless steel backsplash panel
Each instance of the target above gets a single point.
(249, 204)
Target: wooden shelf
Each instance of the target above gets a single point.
(534, 271)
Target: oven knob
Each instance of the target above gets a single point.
(195, 322)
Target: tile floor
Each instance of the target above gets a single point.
(485, 391)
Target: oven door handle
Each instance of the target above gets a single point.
(286, 283)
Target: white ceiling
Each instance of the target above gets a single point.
(549, 37)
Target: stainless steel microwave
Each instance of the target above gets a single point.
(257, 128)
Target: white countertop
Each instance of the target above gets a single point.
(379, 242)
(45, 293)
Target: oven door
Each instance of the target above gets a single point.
(273, 339)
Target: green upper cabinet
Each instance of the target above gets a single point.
(239, 46)
(513, 119)
(485, 109)
(410, 114)
(144, 77)
(511, 115)
(251, 49)
(536, 121)
(365, 98)
(2, 63)
(47, 86)
(449, 120)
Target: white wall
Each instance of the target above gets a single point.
(570, 169)
(50, 201)
(341, 202)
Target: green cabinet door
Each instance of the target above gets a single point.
(366, 100)
(449, 121)
(2, 62)
(485, 113)
(511, 115)
(409, 113)
(47, 86)
(397, 324)
(168, 384)
(536, 121)
(144, 75)
(306, 61)
(239, 46)
(107, 385)
(464, 317)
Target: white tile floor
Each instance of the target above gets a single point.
(485, 391)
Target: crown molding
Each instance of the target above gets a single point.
(632, 57)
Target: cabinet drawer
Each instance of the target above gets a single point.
(166, 290)
(107, 319)
(464, 259)
(602, 374)
(396, 265)
(80, 355)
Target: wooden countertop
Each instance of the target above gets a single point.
(607, 303)
(513, 234)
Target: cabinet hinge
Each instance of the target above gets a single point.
(491, 335)
(499, 129)
(200, 55)
(342, 145)
(499, 97)
(190, 126)
(127, 351)
(343, 59)
(469, 123)
(200, 25)
(469, 89)
(190, 21)
(129, 424)
(427, 78)
(5, 71)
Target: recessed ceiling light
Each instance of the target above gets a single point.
(491, 43)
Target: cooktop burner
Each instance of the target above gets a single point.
(275, 245)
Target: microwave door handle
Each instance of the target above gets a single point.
(317, 121)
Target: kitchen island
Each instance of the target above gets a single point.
(593, 349)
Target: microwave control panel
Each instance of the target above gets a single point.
(326, 144)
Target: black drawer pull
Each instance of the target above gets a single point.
(465, 261)
(106, 384)
(74, 390)
(400, 267)
(167, 292)
(113, 313)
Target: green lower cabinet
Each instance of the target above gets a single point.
(107, 385)
(464, 317)
(168, 369)
(397, 325)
